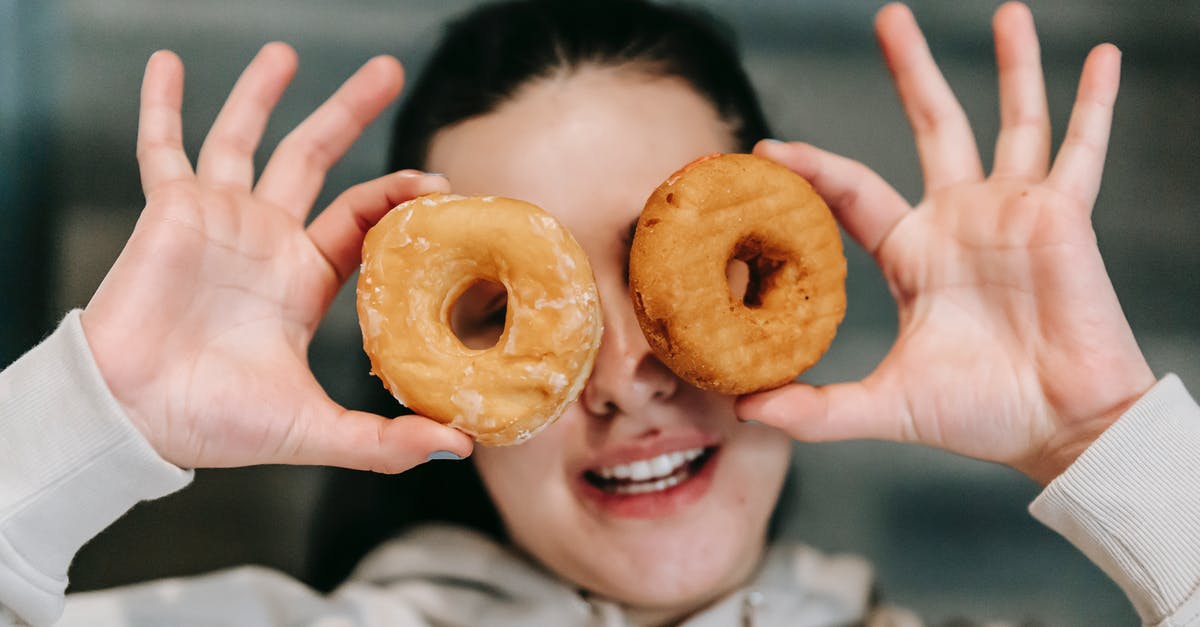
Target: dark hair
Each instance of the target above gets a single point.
(491, 52)
(482, 60)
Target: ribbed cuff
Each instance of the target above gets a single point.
(73, 463)
(1131, 503)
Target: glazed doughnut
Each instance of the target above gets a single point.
(422, 256)
(717, 209)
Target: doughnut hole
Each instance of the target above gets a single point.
(479, 315)
(752, 271)
(737, 275)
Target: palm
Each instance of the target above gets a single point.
(992, 300)
(233, 248)
(1011, 346)
(248, 290)
(202, 327)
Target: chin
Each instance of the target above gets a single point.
(669, 569)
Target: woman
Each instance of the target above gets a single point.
(199, 335)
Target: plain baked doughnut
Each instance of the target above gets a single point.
(420, 258)
(726, 207)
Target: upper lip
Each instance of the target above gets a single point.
(635, 450)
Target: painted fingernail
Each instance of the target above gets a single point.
(443, 455)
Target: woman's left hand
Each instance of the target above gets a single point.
(1012, 346)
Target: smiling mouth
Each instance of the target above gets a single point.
(650, 475)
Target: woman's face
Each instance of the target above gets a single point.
(647, 491)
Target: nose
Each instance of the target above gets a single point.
(626, 376)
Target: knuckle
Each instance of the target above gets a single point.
(388, 466)
(309, 154)
(229, 145)
(1029, 119)
(150, 150)
(934, 117)
(176, 195)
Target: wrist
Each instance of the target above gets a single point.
(117, 382)
(1130, 501)
(1062, 450)
(1069, 441)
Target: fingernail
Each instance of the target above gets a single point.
(434, 174)
(771, 140)
(410, 173)
(751, 422)
(440, 455)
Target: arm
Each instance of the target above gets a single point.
(1131, 503)
(73, 464)
(1012, 346)
(193, 351)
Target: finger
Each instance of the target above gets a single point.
(1080, 160)
(1023, 146)
(339, 230)
(295, 173)
(160, 128)
(945, 143)
(843, 411)
(227, 156)
(363, 441)
(864, 204)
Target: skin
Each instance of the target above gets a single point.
(1012, 346)
(998, 278)
(589, 148)
(201, 328)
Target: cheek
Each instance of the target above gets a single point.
(526, 478)
(758, 461)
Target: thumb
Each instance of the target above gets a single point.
(365, 441)
(841, 411)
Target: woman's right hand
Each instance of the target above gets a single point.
(201, 328)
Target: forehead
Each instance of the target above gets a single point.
(589, 146)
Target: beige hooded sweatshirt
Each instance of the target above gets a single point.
(71, 463)
(448, 576)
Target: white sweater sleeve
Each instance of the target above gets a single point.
(71, 463)
(1131, 503)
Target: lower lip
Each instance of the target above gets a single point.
(652, 504)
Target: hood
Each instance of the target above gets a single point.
(453, 576)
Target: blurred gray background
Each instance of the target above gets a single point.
(951, 537)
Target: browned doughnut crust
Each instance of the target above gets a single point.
(417, 262)
(734, 206)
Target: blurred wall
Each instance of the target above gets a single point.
(28, 93)
(950, 536)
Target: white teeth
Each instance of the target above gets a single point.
(663, 465)
(656, 486)
(641, 470)
(660, 468)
